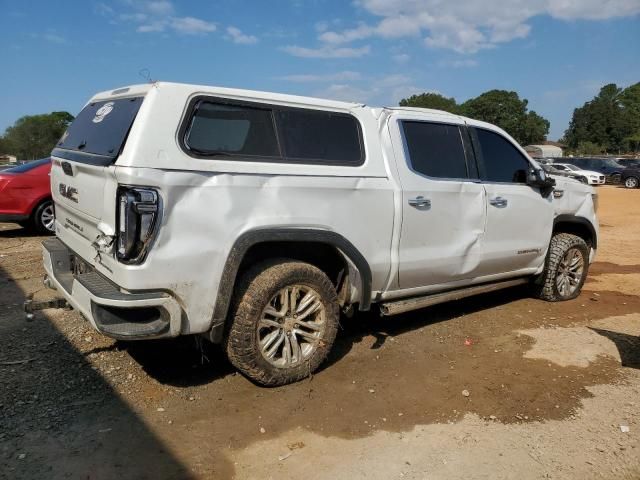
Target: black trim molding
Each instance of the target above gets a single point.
(265, 235)
(568, 218)
(281, 158)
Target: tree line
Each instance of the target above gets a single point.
(609, 123)
(34, 136)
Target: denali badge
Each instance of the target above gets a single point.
(102, 112)
(69, 192)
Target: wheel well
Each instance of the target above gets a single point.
(37, 204)
(324, 256)
(576, 228)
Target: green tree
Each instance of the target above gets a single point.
(34, 136)
(589, 148)
(611, 119)
(431, 100)
(509, 112)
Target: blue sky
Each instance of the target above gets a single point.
(557, 54)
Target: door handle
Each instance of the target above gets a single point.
(498, 202)
(420, 202)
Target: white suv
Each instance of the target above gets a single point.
(591, 177)
(255, 218)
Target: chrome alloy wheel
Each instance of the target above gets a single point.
(48, 218)
(631, 182)
(570, 272)
(291, 326)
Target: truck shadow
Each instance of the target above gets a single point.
(188, 361)
(10, 230)
(59, 417)
(628, 346)
(365, 324)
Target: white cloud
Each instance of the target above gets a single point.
(467, 26)
(54, 38)
(51, 37)
(401, 58)
(327, 51)
(158, 16)
(191, 25)
(319, 78)
(459, 63)
(373, 90)
(158, 7)
(236, 36)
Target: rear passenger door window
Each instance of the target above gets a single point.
(435, 149)
(501, 160)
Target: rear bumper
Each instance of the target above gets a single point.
(110, 310)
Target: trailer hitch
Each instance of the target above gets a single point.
(30, 307)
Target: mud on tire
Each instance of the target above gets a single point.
(566, 269)
(264, 341)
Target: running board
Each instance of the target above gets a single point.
(388, 309)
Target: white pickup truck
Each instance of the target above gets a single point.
(255, 218)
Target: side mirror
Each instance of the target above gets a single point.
(538, 178)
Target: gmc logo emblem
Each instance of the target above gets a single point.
(69, 192)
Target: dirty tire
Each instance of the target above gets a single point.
(255, 292)
(545, 286)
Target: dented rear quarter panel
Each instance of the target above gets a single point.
(207, 204)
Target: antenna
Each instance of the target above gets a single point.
(145, 73)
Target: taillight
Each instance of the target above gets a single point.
(138, 211)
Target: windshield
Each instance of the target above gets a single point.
(571, 167)
(25, 167)
(100, 129)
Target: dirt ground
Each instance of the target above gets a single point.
(539, 390)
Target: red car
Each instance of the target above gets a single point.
(25, 196)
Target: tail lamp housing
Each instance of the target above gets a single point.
(138, 212)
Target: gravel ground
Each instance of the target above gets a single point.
(499, 386)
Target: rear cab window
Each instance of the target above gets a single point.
(229, 130)
(99, 132)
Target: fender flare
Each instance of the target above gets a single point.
(264, 235)
(568, 218)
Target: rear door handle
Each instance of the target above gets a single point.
(498, 202)
(420, 202)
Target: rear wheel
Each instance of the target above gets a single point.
(631, 182)
(284, 322)
(565, 270)
(43, 220)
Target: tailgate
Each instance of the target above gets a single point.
(78, 192)
(82, 181)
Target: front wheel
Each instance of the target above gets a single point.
(631, 182)
(565, 270)
(43, 219)
(284, 322)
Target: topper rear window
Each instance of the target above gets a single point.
(99, 132)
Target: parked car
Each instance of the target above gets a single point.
(254, 218)
(631, 177)
(25, 196)
(609, 167)
(551, 170)
(592, 178)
